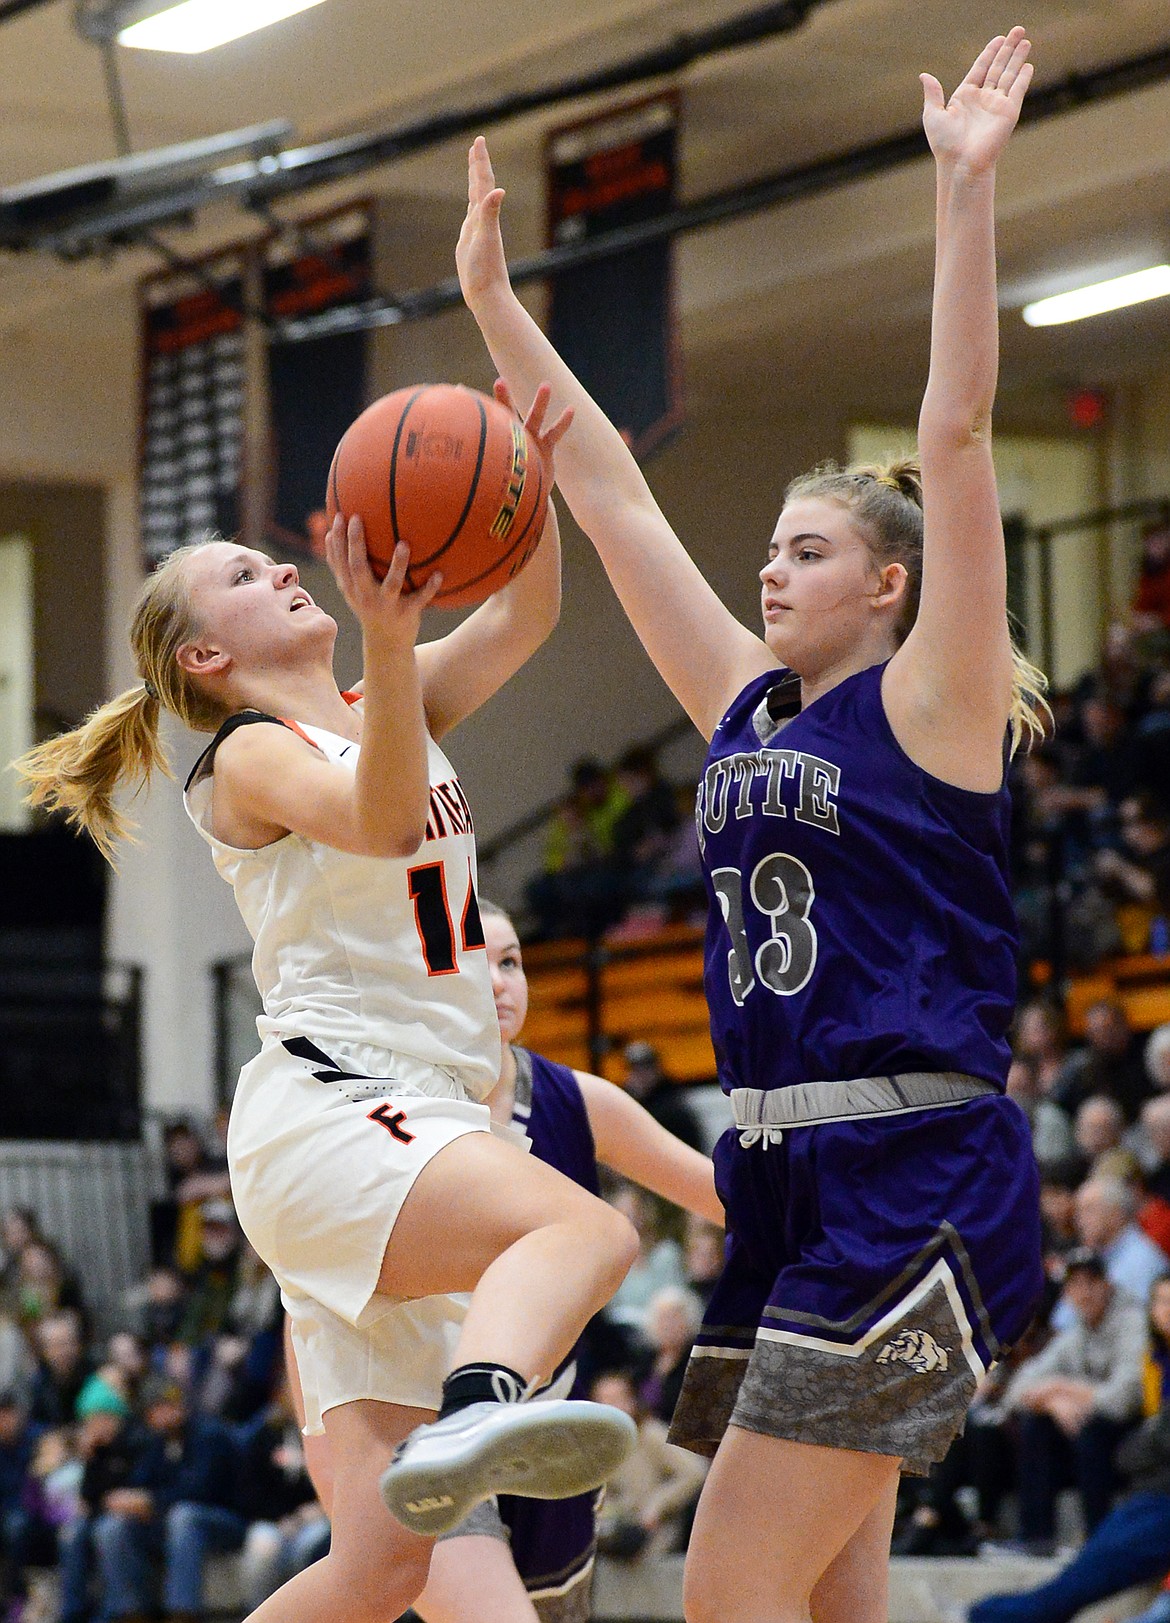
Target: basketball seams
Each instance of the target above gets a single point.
(502, 558)
(398, 432)
(428, 562)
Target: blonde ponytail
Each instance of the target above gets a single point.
(78, 772)
(1030, 717)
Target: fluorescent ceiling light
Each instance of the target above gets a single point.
(201, 25)
(1095, 299)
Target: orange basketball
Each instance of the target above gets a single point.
(453, 474)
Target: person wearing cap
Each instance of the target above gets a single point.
(1076, 1399)
(108, 1442)
(178, 1507)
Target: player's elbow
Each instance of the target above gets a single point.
(946, 428)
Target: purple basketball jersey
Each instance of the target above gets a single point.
(860, 917)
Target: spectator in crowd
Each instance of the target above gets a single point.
(1109, 1063)
(236, 1367)
(1130, 1545)
(658, 1263)
(578, 891)
(178, 1507)
(44, 1285)
(212, 1282)
(18, 1440)
(673, 1317)
(648, 1500)
(1156, 1058)
(62, 1368)
(1076, 1399)
(287, 1529)
(1098, 1130)
(19, 1226)
(703, 1249)
(643, 834)
(16, 1358)
(193, 1177)
(1155, 1131)
(1052, 1133)
(1105, 1223)
(1040, 1035)
(1138, 874)
(155, 1308)
(108, 1443)
(649, 1084)
(1150, 611)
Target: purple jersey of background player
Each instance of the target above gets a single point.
(552, 1541)
(861, 922)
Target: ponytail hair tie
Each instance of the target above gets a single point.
(150, 689)
(889, 480)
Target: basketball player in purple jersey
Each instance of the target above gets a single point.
(880, 1189)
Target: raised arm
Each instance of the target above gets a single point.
(462, 670)
(630, 1142)
(948, 689)
(700, 649)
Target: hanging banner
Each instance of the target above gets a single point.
(192, 404)
(318, 387)
(613, 321)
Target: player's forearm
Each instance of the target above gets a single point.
(964, 345)
(392, 781)
(595, 470)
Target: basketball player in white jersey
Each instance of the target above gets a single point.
(363, 1166)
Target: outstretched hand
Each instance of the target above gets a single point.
(548, 438)
(972, 128)
(479, 255)
(382, 608)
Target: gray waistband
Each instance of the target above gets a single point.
(762, 1114)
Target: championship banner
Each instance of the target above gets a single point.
(318, 387)
(191, 447)
(613, 321)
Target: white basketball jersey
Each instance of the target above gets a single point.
(377, 950)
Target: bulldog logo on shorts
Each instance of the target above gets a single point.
(919, 1349)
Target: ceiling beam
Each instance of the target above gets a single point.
(786, 186)
(263, 182)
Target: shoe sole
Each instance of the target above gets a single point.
(570, 1449)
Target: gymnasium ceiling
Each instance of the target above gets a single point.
(834, 289)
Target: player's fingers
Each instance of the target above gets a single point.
(1015, 64)
(426, 594)
(1002, 59)
(535, 419)
(553, 435)
(1019, 88)
(396, 574)
(983, 61)
(932, 91)
(504, 395)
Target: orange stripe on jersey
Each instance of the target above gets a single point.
(296, 727)
(351, 697)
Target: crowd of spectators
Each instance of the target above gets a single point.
(139, 1438)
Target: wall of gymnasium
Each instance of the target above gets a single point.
(68, 436)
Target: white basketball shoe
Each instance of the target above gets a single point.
(548, 1449)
